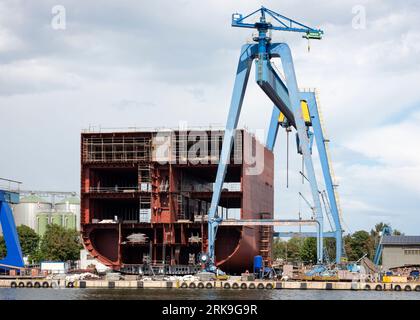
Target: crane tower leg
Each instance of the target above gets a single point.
(273, 129)
(320, 140)
(283, 51)
(11, 238)
(242, 75)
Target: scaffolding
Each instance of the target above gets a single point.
(203, 147)
(144, 177)
(116, 149)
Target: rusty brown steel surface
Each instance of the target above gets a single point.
(235, 245)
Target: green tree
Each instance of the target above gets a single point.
(287, 250)
(58, 244)
(347, 246)
(329, 245)
(293, 249)
(29, 240)
(279, 249)
(308, 250)
(3, 250)
(378, 228)
(396, 232)
(361, 243)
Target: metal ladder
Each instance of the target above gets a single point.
(265, 240)
(144, 177)
(180, 213)
(144, 186)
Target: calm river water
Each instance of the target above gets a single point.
(184, 294)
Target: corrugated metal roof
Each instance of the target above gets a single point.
(401, 240)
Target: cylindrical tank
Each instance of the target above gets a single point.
(57, 218)
(26, 210)
(43, 219)
(258, 263)
(70, 204)
(69, 220)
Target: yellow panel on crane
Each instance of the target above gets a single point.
(281, 117)
(305, 113)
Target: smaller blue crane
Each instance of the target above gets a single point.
(13, 257)
(386, 231)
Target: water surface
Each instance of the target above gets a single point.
(193, 294)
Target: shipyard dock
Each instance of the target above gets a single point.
(224, 285)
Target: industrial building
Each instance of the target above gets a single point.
(400, 251)
(145, 196)
(39, 209)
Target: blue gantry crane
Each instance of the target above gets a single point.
(13, 258)
(292, 109)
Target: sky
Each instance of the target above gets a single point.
(113, 64)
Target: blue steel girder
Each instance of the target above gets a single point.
(287, 99)
(290, 234)
(248, 53)
(310, 98)
(318, 135)
(273, 128)
(283, 23)
(282, 50)
(14, 252)
(274, 88)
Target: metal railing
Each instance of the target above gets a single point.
(116, 189)
(9, 185)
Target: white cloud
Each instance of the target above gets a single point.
(393, 145)
(131, 63)
(35, 75)
(9, 42)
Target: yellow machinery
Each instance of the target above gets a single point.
(394, 279)
(305, 113)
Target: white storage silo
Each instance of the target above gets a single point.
(70, 204)
(25, 212)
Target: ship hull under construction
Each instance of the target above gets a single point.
(145, 198)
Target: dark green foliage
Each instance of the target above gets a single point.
(356, 246)
(287, 250)
(308, 250)
(360, 243)
(58, 244)
(28, 239)
(3, 250)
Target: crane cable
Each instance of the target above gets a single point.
(303, 170)
(287, 158)
(327, 207)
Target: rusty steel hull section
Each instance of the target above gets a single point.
(128, 189)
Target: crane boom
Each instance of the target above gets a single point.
(283, 23)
